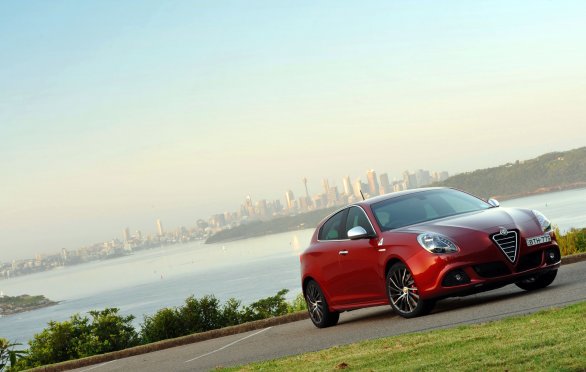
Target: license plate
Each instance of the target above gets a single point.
(546, 238)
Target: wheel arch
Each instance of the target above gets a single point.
(391, 262)
(306, 280)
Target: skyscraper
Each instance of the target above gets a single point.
(358, 188)
(372, 182)
(347, 185)
(160, 231)
(326, 185)
(126, 234)
(290, 198)
(385, 185)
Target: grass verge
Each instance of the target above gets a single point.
(553, 340)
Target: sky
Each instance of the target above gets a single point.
(116, 113)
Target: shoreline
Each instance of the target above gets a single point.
(542, 190)
(12, 309)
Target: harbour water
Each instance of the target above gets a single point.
(246, 270)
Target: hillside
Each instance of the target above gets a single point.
(278, 225)
(548, 172)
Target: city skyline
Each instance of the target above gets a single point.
(118, 114)
(249, 210)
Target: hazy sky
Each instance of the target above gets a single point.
(115, 113)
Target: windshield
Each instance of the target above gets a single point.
(424, 206)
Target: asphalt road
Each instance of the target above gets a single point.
(302, 336)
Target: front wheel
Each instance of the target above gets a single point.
(537, 281)
(319, 312)
(403, 293)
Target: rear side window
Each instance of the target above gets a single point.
(333, 229)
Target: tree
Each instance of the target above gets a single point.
(8, 354)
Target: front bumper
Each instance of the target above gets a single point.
(462, 277)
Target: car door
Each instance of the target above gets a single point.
(330, 237)
(361, 275)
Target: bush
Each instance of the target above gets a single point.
(79, 337)
(166, 323)
(206, 313)
(298, 304)
(572, 242)
(267, 307)
(107, 331)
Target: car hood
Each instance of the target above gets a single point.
(487, 221)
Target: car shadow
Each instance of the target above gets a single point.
(448, 304)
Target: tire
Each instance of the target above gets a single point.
(319, 311)
(403, 293)
(537, 281)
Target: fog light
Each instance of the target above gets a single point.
(455, 277)
(552, 256)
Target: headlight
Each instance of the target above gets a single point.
(436, 243)
(543, 221)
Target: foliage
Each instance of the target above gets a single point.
(572, 242)
(298, 304)
(80, 337)
(206, 313)
(556, 170)
(8, 354)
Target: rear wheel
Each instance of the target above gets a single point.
(403, 293)
(537, 281)
(319, 312)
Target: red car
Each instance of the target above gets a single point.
(415, 247)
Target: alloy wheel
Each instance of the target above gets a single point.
(315, 303)
(402, 290)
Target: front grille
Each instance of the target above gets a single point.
(507, 242)
(491, 269)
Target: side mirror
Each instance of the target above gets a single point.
(493, 202)
(358, 232)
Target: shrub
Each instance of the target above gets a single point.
(201, 315)
(298, 304)
(165, 323)
(79, 337)
(572, 242)
(267, 307)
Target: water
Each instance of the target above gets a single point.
(565, 209)
(246, 270)
(150, 280)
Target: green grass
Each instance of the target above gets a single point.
(551, 340)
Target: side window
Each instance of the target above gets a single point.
(333, 229)
(357, 217)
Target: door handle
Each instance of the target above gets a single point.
(343, 253)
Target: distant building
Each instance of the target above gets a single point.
(385, 185)
(290, 198)
(423, 177)
(347, 184)
(160, 231)
(126, 234)
(326, 185)
(372, 183)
